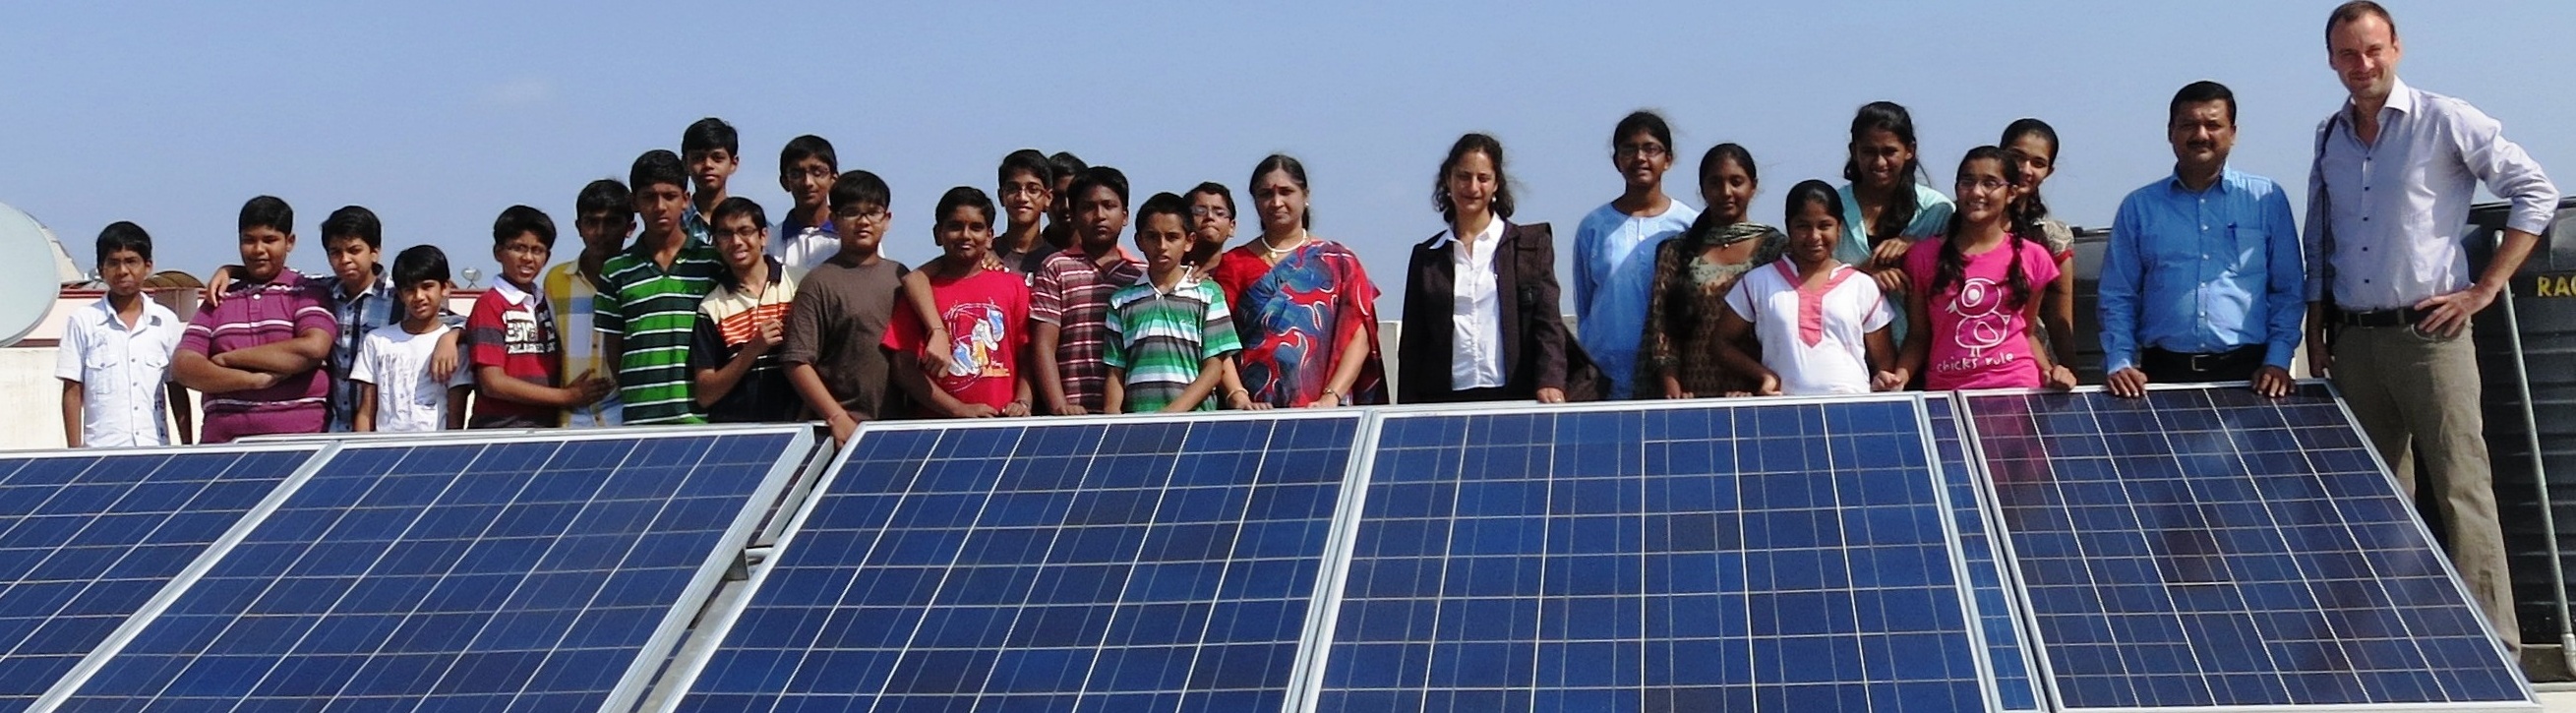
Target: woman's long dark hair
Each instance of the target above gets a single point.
(1892, 118)
(1492, 148)
(2032, 205)
(1954, 266)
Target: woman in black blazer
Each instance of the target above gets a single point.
(1481, 320)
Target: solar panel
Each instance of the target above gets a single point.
(89, 540)
(527, 574)
(2206, 547)
(1772, 555)
(1146, 564)
(1998, 609)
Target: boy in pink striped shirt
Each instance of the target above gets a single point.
(257, 356)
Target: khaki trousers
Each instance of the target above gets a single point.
(2417, 395)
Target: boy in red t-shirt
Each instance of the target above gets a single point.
(516, 356)
(986, 313)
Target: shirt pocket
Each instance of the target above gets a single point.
(103, 372)
(2252, 243)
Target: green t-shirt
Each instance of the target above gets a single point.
(655, 310)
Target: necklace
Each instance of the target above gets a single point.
(1276, 252)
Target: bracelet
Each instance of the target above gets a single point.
(1337, 396)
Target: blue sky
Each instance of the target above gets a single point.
(438, 115)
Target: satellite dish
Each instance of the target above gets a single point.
(28, 276)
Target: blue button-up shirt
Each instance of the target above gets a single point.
(2399, 207)
(2202, 272)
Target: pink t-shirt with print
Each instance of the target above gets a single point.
(1979, 340)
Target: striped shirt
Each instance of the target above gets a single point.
(1071, 291)
(654, 309)
(1160, 338)
(254, 314)
(728, 319)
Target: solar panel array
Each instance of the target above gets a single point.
(1785, 556)
(2209, 547)
(2202, 548)
(1091, 565)
(483, 575)
(88, 540)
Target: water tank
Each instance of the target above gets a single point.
(2544, 303)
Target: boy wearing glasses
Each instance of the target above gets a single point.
(806, 236)
(834, 328)
(1027, 192)
(733, 354)
(516, 356)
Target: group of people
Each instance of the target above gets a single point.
(1034, 305)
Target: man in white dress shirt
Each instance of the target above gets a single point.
(2389, 289)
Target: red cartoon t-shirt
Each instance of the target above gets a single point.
(987, 314)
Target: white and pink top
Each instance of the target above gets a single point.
(1812, 338)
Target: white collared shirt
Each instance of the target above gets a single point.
(2398, 206)
(1475, 309)
(122, 371)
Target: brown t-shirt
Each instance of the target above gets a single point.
(837, 324)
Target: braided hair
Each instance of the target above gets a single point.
(1954, 265)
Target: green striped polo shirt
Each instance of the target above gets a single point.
(655, 310)
(1160, 338)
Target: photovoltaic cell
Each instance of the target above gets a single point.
(1774, 556)
(87, 540)
(1113, 565)
(1996, 604)
(526, 575)
(2209, 547)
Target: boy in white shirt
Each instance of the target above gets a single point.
(114, 359)
(396, 391)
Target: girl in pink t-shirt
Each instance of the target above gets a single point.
(1976, 291)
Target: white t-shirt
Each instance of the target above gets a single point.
(397, 362)
(1813, 340)
(122, 370)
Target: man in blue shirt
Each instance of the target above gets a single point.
(2203, 280)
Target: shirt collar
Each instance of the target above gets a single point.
(1493, 232)
(512, 294)
(777, 271)
(795, 225)
(1189, 279)
(2226, 177)
(2401, 97)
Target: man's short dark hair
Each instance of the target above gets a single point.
(268, 212)
(655, 167)
(1027, 161)
(2201, 92)
(1099, 177)
(418, 264)
(518, 220)
(738, 205)
(1212, 188)
(605, 195)
(1163, 204)
(2355, 10)
(964, 197)
(709, 134)
(1067, 166)
(805, 147)
(857, 188)
(354, 222)
(124, 235)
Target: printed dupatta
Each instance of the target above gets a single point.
(1294, 318)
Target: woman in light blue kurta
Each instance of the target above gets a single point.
(1614, 250)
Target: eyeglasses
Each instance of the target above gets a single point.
(1210, 212)
(523, 250)
(860, 213)
(1029, 189)
(1642, 150)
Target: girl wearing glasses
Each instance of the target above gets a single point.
(1978, 295)
(1614, 251)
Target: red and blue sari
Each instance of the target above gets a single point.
(1295, 316)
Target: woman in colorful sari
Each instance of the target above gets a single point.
(1305, 308)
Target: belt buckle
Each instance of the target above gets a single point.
(2196, 360)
